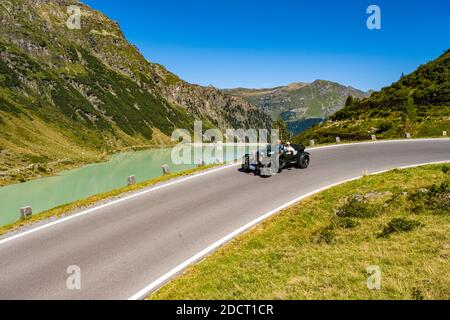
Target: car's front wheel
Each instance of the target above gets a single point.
(303, 161)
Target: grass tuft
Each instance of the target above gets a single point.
(399, 225)
(357, 207)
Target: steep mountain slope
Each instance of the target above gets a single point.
(418, 104)
(69, 96)
(296, 101)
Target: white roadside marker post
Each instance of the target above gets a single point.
(338, 139)
(408, 135)
(165, 169)
(374, 137)
(131, 180)
(26, 212)
(444, 133)
(312, 143)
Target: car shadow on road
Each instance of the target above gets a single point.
(252, 174)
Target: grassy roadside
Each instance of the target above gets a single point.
(92, 201)
(321, 248)
(348, 133)
(345, 142)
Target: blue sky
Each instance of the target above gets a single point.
(262, 43)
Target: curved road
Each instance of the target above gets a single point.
(122, 247)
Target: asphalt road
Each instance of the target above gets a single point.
(123, 247)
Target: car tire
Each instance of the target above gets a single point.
(303, 161)
(246, 165)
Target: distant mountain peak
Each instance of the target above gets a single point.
(300, 100)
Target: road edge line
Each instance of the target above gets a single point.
(208, 250)
(131, 196)
(140, 193)
(373, 142)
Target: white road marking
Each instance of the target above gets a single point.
(137, 194)
(374, 142)
(167, 276)
(134, 195)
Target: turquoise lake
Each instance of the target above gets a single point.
(77, 184)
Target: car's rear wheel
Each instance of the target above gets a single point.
(303, 161)
(246, 164)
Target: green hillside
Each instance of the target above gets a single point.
(298, 102)
(70, 96)
(418, 103)
(322, 247)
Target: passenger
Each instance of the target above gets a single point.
(289, 149)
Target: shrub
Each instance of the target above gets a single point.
(436, 199)
(344, 223)
(9, 78)
(399, 225)
(416, 294)
(446, 168)
(324, 235)
(357, 208)
(385, 126)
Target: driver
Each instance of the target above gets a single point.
(280, 146)
(289, 149)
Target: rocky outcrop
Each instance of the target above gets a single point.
(79, 94)
(37, 29)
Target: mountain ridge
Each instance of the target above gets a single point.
(299, 100)
(69, 97)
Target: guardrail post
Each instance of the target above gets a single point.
(408, 135)
(338, 139)
(26, 212)
(444, 133)
(165, 169)
(312, 143)
(131, 180)
(373, 137)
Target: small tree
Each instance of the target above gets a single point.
(350, 101)
(409, 114)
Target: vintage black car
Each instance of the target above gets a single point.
(267, 162)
